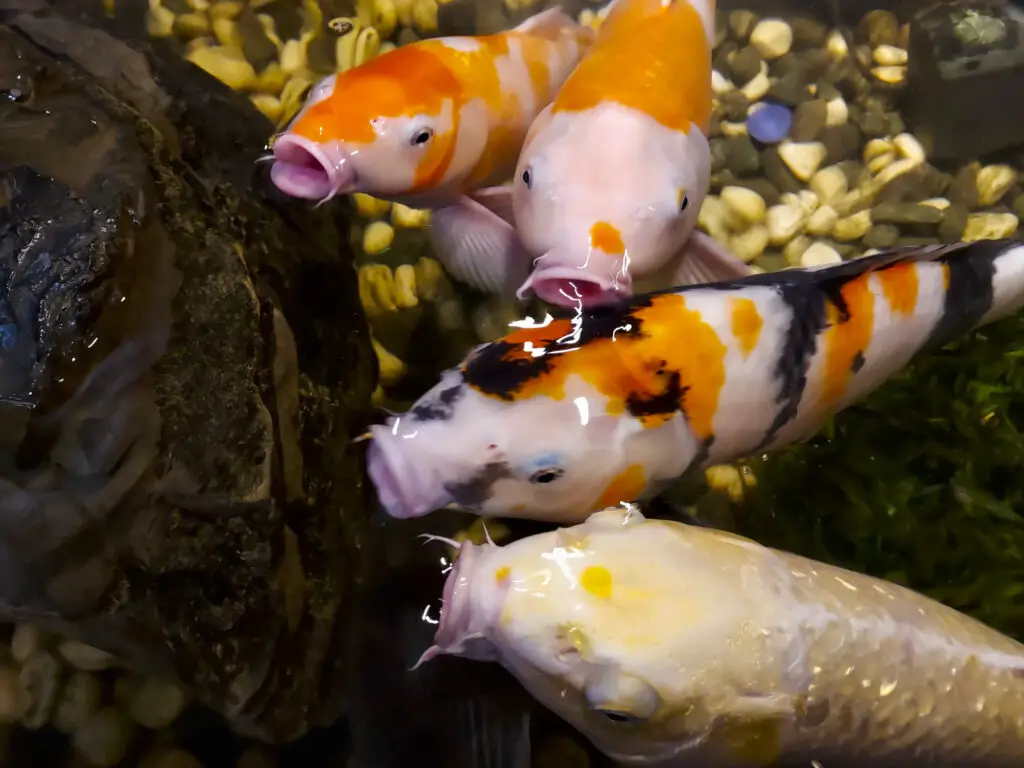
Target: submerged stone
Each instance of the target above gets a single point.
(770, 123)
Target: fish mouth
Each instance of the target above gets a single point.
(454, 624)
(312, 171)
(573, 287)
(403, 489)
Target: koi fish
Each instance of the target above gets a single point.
(558, 420)
(429, 123)
(614, 172)
(670, 645)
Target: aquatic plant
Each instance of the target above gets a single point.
(920, 484)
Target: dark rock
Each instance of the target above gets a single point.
(912, 241)
(846, 250)
(827, 91)
(458, 17)
(741, 157)
(808, 120)
(954, 221)
(808, 32)
(719, 151)
(287, 16)
(723, 53)
(741, 24)
(816, 62)
(905, 213)
(958, 82)
(854, 171)
(777, 172)
(745, 65)
(841, 141)
(964, 188)
(873, 121)
(188, 362)
(715, 125)
(879, 28)
(917, 184)
(258, 49)
(763, 187)
(881, 236)
(1018, 206)
(791, 89)
(845, 76)
(734, 106)
(787, 64)
(722, 178)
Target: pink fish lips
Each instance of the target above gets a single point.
(572, 286)
(312, 171)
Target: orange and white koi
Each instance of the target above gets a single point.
(678, 646)
(558, 420)
(614, 172)
(431, 122)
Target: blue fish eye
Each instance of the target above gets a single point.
(548, 475)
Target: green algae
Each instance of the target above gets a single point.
(920, 483)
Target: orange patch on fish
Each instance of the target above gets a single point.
(677, 358)
(650, 56)
(746, 324)
(628, 485)
(900, 286)
(945, 277)
(605, 237)
(847, 338)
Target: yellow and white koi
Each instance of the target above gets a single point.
(677, 646)
(614, 172)
(562, 418)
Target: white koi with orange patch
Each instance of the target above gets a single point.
(558, 420)
(613, 173)
(429, 123)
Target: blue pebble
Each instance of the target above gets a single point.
(770, 123)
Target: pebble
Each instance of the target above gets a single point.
(989, 226)
(268, 105)
(744, 203)
(953, 224)
(404, 217)
(40, 678)
(808, 120)
(406, 296)
(713, 218)
(81, 697)
(890, 56)
(778, 173)
(742, 23)
(803, 158)
(890, 75)
(836, 45)
(905, 213)
(836, 112)
(82, 656)
(841, 141)
(377, 237)
(256, 757)
(720, 84)
(853, 227)
(25, 640)
(881, 236)
(741, 156)
(770, 123)
(156, 703)
(808, 32)
(758, 87)
(103, 739)
(822, 221)
(189, 25)
(159, 21)
(772, 38)
(795, 248)
(829, 183)
(876, 148)
(171, 758)
(819, 254)
(790, 89)
(272, 79)
(745, 65)
(895, 169)
(370, 207)
(784, 223)
(993, 182)
(226, 65)
(879, 163)
(909, 147)
(879, 28)
(763, 187)
(937, 202)
(733, 129)
(964, 187)
(750, 244)
(13, 696)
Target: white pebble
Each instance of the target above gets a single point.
(819, 255)
(748, 245)
(84, 656)
(14, 698)
(989, 226)
(377, 237)
(940, 203)
(81, 697)
(822, 221)
(803, 158)
(808, 201)
(890, 75)
(784, 223)
(745, 203)
(103, 739)
(720, 84)
(25, 641)
(890, 56)
(993, 182)
(733, 129)
(293, 57)
(829, 183)
(156, 703)
(892, 170)
(836, 45)
(772, 38)
(758, 85)
(795, 249)
(909, 147)
(225, 64)
(853, 227)
(877, 147)
(836, 111)
(713, 218)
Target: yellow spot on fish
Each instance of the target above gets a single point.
(746, 324)
(597, 581)
(847, 337)
(502, 573)
(628, 485)
(605, 237)
(899, 284)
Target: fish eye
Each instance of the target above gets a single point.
(527, 178)
(548, 475)
(422, 136)
(618, 716)
(685, 204)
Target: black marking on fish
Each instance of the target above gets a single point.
(668, 400)
(971, 290)
(474, 493)
(441, 407)
(858, 362)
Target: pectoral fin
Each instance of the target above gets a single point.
(705, 260)
(478, 246)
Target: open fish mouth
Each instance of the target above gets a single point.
(571, 287)
(312, 171)
(404, 488)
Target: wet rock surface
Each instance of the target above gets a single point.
(183, 364)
